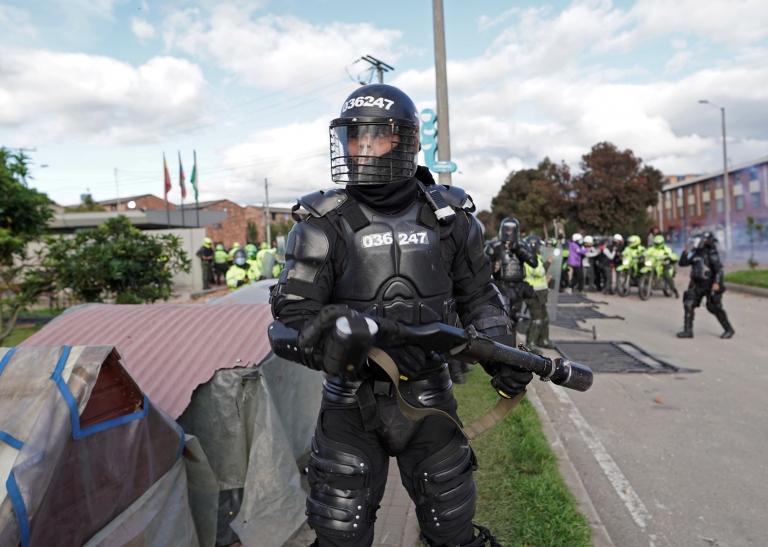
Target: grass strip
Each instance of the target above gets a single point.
(522, 498)
(17, 336)
(752, 278)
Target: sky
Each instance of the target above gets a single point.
(99, 90)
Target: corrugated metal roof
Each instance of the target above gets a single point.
(168, 349)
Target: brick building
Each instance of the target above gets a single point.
(691, 203)
(144, 201)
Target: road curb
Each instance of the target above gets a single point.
(600, 537)
(756, 291)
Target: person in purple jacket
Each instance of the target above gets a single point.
(575, 253)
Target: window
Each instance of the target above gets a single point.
(680, 193)
(739, 203)
(669, 214)
(737, 178)
(691, 190)
(720, 206)
(719, 182)
(691, 209)
(707, 208)
(680, 212)
(755, 200)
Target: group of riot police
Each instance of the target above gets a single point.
(237, 266)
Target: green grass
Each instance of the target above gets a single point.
(17, 336)
(753, 278)
(522, 498)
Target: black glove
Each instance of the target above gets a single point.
(510, 381)
(410, 360)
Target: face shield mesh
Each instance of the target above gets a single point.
(373, 153)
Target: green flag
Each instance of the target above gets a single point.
(193, 179)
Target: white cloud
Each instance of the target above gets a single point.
(677, 62)
(142, 29)
(47, 96)
(274, 52)
(679, 44)
(15, 21)
(102, 9)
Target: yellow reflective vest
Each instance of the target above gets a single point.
(537, 277)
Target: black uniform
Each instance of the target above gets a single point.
(511, 275)
(206, 261)
(706, 270)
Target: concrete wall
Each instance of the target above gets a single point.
(192, 240)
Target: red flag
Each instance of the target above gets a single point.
(167, 178)
(181, 179)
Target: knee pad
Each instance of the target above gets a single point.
(714, 304)
(339, 477)
(445, 489)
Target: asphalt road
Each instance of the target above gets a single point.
(674, 459)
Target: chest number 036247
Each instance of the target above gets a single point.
(377, 240)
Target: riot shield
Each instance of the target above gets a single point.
(267, 263)
(554, 270)
(280, 249)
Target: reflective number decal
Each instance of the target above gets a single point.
(403, 238)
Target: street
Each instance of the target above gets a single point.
(673, 459)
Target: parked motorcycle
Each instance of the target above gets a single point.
(652, 277)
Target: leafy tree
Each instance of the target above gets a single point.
(534, 196)
(614, 190)
(486, 219)
(281, 228)
(24, 216)
(87, 205)
(251, 232)
(116, 260)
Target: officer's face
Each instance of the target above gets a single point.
(371, 144)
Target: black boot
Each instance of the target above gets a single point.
(723, 318)
(687, 331)
(532, 336)
(544, 341)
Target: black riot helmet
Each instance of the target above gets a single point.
(375, 140)
(509, 230)
(702, 240)
(239, 257)
(534, 242)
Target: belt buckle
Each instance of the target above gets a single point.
(382, 388)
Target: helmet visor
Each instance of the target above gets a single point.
(373, 153)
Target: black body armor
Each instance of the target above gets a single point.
(705, 265)
(511, 269)
(387, 261)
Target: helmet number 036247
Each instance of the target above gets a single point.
(367, 101)
(378, 240)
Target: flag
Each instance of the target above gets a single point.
(167, 178)
(181, 179)
(193, 178)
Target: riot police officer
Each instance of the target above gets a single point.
(706, 281)
(390, 245)
(509, 257)
(536, 276)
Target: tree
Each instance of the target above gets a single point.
(116, 260)
(534, 196)
(251, 233)
(24, 216)
(87, 205)
(614, 190)
(486, 219)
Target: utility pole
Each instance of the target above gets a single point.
(380, 66)
(266, 213)
(726, 184)
(117, 188)
(443, 126)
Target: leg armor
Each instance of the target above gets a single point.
(715, 306)
(445, 491)
(339, 503)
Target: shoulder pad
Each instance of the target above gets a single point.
(321, 203)
(456, 197)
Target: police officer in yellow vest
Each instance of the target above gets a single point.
(538, 331)
(231, 253)
(220, 266)
(240, 272)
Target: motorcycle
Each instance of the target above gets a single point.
(652, 277)
(627, 274)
